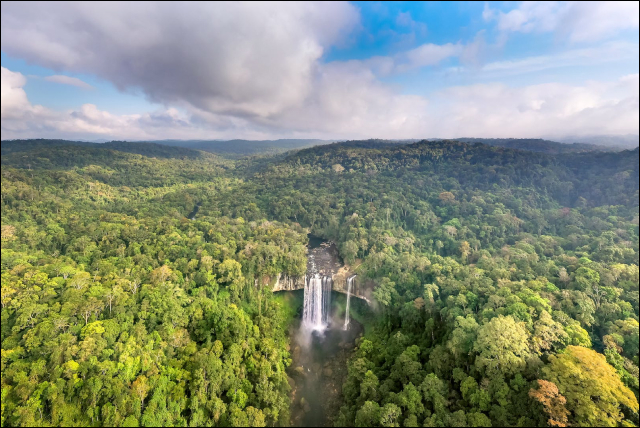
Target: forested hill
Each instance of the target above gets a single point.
(43, 146)
(594, 176)
(546, 146)
(240, 148)
(118, 311)
(505, 283)
(235, 149)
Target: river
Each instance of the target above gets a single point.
(319, 354)
(319, 367)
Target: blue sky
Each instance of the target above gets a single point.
(344, 70)
(64, 96)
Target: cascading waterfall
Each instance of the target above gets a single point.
(327, 283)
(347, 319)
(317, 302)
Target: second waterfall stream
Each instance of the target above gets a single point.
(347, 319)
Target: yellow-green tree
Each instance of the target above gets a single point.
(593, 389)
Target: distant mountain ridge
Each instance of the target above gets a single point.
(239, 148)
(146, 149)
(541, 145)
(629, 141)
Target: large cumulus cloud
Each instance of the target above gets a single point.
(250, 59)
(255, 70)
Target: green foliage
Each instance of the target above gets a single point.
(490, 269)
(117, 310)
(502, 346)
(592, 388)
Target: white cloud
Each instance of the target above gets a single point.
(242, 59)
(581, 21)
(16, 109)
(404, 19)
(249, 70)
(68, 80)
(14, 98)
(550, 109)
(487, 13)
(234, 67)
(21, 119)
(351, 103)
(430, 54)
(582, 57)
(425, 55)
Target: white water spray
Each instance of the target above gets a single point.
(347, 319)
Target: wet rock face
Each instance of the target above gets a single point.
(324, 260)
(288, 283)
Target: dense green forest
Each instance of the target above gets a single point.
(239, 148)
(505, 283)
(232, 149)
(547, 146)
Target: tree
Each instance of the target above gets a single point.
(592, 388)
(433, 391)
(563, 276)
(410, 398)
(478, 419)
(547, 334)
(430, 291)
(384, 291)
(80, 280)
(255, 417)
(160, 274)
(368, 415)
(389, 415)
(369, 387)
(502, 346)
(141, 388)
(447, 197)
(463, 336)
(230, 271)
(350, 251)
(548, 395)
(465, 249)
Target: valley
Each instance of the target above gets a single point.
(155, 285)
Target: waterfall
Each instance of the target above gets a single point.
(317, 302)
(346, 314)
(327, 282)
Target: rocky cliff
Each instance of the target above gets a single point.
(288, 283)
(324, 260)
